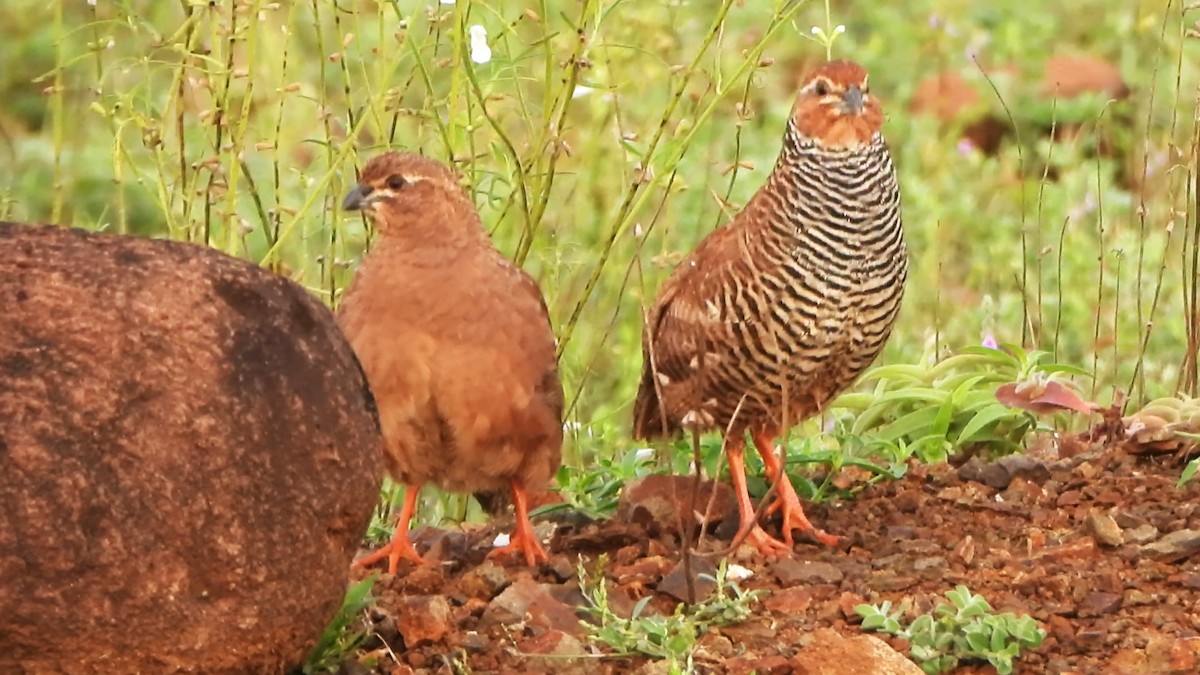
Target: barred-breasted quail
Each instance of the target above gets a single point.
(776, 313)
(456, 344)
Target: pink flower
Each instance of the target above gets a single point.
(989, 341)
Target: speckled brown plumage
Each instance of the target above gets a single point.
(778, 312)
(456, 344)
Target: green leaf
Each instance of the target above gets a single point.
(1189, 472)
(987, 416)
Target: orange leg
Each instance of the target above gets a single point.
(786, 497)
(400, 546)
(735, 448)
(523, 540)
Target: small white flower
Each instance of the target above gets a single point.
(447, 2)
(841, 28)
(644, 454)
(480, 51)
(581, 91)
(737, 573)
(501, 540)
(816, 30)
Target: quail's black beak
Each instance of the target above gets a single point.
(852, 100)
(356, 198)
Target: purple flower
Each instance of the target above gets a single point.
(965, 147)
(989, 341)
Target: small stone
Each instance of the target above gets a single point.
(675, 582)
(909, 501)
(789, 601)
(423, 619)
(716, 644)
(1134, 597)
(472, 641)
(899, 532)
(555, 643)
(1076, 549)
(1129, 662)
(1070, 498)
(929, 563)
(847, 601)
(889, 581)
(752, 663)
(1174, 655)
(532, 603)
(830, 653)
(1061, 629)
(792, 572)
(642, 572)
(1175, 546)
(1141, 534)
(661, 502)
(1098, 604)
(1104, 529)
(485, 581)
(440, 545)
(563, 567)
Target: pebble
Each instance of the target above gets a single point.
(792, 572)
(1104, 529)
(1175, 546)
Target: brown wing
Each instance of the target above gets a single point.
(684, 320)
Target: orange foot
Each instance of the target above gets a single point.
(787, 500)
(794, 518)
(764, 543)
(400, 546)
(523, 539)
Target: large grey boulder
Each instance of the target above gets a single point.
(189, 455)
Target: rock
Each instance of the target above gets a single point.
(1142, 534)
(642, 572)
(189, 456)
(484, 581)
(675, 583)
(473, 642)
(830, 653)
(792, 572)
(847, 601)
(440, 546)
(527, 601)
(789, 601)
(423, 619)
(1175, 546)
(716, 645)
(1099, 604)
(567, 652)
(660, 502)
(753, 664)
(1104, 529)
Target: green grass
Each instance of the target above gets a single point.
(604, 138)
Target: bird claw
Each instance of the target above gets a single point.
(763, 542)
(530, 547)
(794, 519)
(394, 550)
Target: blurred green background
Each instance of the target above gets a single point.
(603, 139)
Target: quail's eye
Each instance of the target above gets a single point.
(822, 88)
(396, 181)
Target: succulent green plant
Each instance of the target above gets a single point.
(965, 629)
